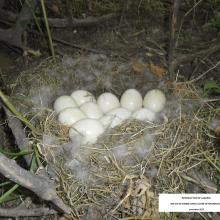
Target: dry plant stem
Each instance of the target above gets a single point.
(71, 44)
(24, 212)
(185, 15)
(189, 57)
(176, 4)
(38, 184)
(48, 28)
(64, 22)
(203, 74)
(202, 181)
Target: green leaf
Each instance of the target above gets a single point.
(20, 153)
(6, 195)
(211, 85)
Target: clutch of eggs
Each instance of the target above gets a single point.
(89, 118)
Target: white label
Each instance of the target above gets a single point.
(189, 202)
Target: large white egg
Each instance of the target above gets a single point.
(108, 101)
(69, 116)
(144, 114)
(82, 96)
(155, 100)
(115, 117)
(63, 102)
(90, 129)
(131, 99)
(92, 110)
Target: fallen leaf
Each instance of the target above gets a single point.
(126, 203)
(157, 70)
(215, 125)
(138, 66)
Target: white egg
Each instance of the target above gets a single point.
(155, 100)
(144, 114)
(131, 99)
(63, 102)
(106, 120)
(82, 96)
(69, 116)
(90, 129)
(107, 101)
(92, 110)
(115, 117)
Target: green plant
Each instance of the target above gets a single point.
(211, 86)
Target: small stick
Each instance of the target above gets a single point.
(37, 184)
(172, 45)
(24, 212)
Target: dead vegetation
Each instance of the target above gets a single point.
(121, 176)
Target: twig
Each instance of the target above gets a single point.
(38, 184)
(172, 36)
(71, 44)
(24, 212)
(185, 15)
(202, 181)
(64, 22)
(188, 57)
(203, 74)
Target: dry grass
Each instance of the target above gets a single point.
(128, 187)
(124, 189)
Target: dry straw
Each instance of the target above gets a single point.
(128, 187)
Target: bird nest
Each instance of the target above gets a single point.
(122, 174)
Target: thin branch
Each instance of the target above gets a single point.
(189, 57)
(203, 74)
(38, 184)
(172, 45)
(91, 50)
(65, 22)
(24, 212)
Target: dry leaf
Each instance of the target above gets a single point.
(215, 125)
(137, 66)
(142, 185)
(126, 203)
(157, 70)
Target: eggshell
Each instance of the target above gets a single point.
(155, 100)
(144, 114)
(63, 102)
(115, 117)
(131, 99)
(70, 115)
(108, 101)
(92, 110)
(106, 120)
(90, 129)
(82, 96)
